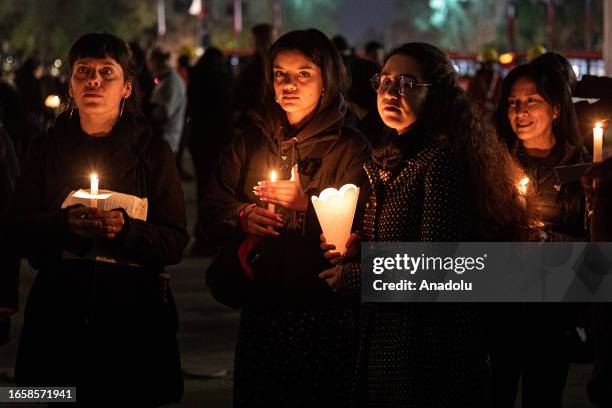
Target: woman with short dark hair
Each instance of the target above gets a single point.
(100, 316)
(296, 334)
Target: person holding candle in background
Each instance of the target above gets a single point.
(536, 119)
(95, 325)
(441, 176)
(294, 346)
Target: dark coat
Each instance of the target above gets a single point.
(560, 207)
(417, 354)
(96, 325)
(289, 353)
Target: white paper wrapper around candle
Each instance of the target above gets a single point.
(335, 210)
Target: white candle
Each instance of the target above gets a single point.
(93, 190)
(598, 142)
(273, 177)
(94, 184)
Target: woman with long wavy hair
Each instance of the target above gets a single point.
(442, 176)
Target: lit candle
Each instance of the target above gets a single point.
(273, 177)
(522, 186)
(598, 142)
(94, 184)
(335, 210)
(93, 190)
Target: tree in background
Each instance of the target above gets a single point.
(49, 27)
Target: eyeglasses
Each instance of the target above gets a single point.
(403, 83)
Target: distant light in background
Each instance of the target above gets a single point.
(53, 102)
(161, 17)
(506, 58)
(199, 51)
(196, 8)
(54, 71)
(456, 67)
(9, 59)
(576, 69)
(235, 60)
(57, 63)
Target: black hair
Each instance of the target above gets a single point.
(553, 87)
(562, 64)
(315, 46)
(447, 117)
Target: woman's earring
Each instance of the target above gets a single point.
(70, 107)
(322, 92)
(122, 106)
(276, 99)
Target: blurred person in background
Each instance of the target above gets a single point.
(248, 91)
(29, 86)
(9, 272)
(168, 100)
(485, 88)
(374, 51)
(210, 115)
(598, 187)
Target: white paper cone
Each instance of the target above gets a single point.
(335, 210)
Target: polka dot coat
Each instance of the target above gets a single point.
(417, 354)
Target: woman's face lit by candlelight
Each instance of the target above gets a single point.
(531, 116)
(298, 85)
(400, 112)
(98, 85)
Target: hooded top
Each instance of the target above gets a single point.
(327, 155)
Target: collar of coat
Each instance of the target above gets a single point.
(128, 139)
(275, 127)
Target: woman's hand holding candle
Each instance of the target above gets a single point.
(332, 275)
(112, 224)
(261, 221)
(84, 221)
(91, 222)
(335, 257)
(286, 193)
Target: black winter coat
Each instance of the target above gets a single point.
(289, 353)
(417, 354)
(96, 325)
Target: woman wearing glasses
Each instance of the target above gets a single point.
(440, 177)
(295, 342)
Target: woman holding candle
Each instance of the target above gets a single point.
(294, 346)
(536, 118)
(440, 177)
(107, 328)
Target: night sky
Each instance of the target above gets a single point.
(362, 17)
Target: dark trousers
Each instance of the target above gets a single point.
(536, 349)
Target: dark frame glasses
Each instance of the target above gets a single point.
(403, 83)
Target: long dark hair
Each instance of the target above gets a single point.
(493, 202)
(555, 90)
(318, 48)
(101, 45)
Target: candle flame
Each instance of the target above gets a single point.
(598, 125)
(522, 185)
(273, 176)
